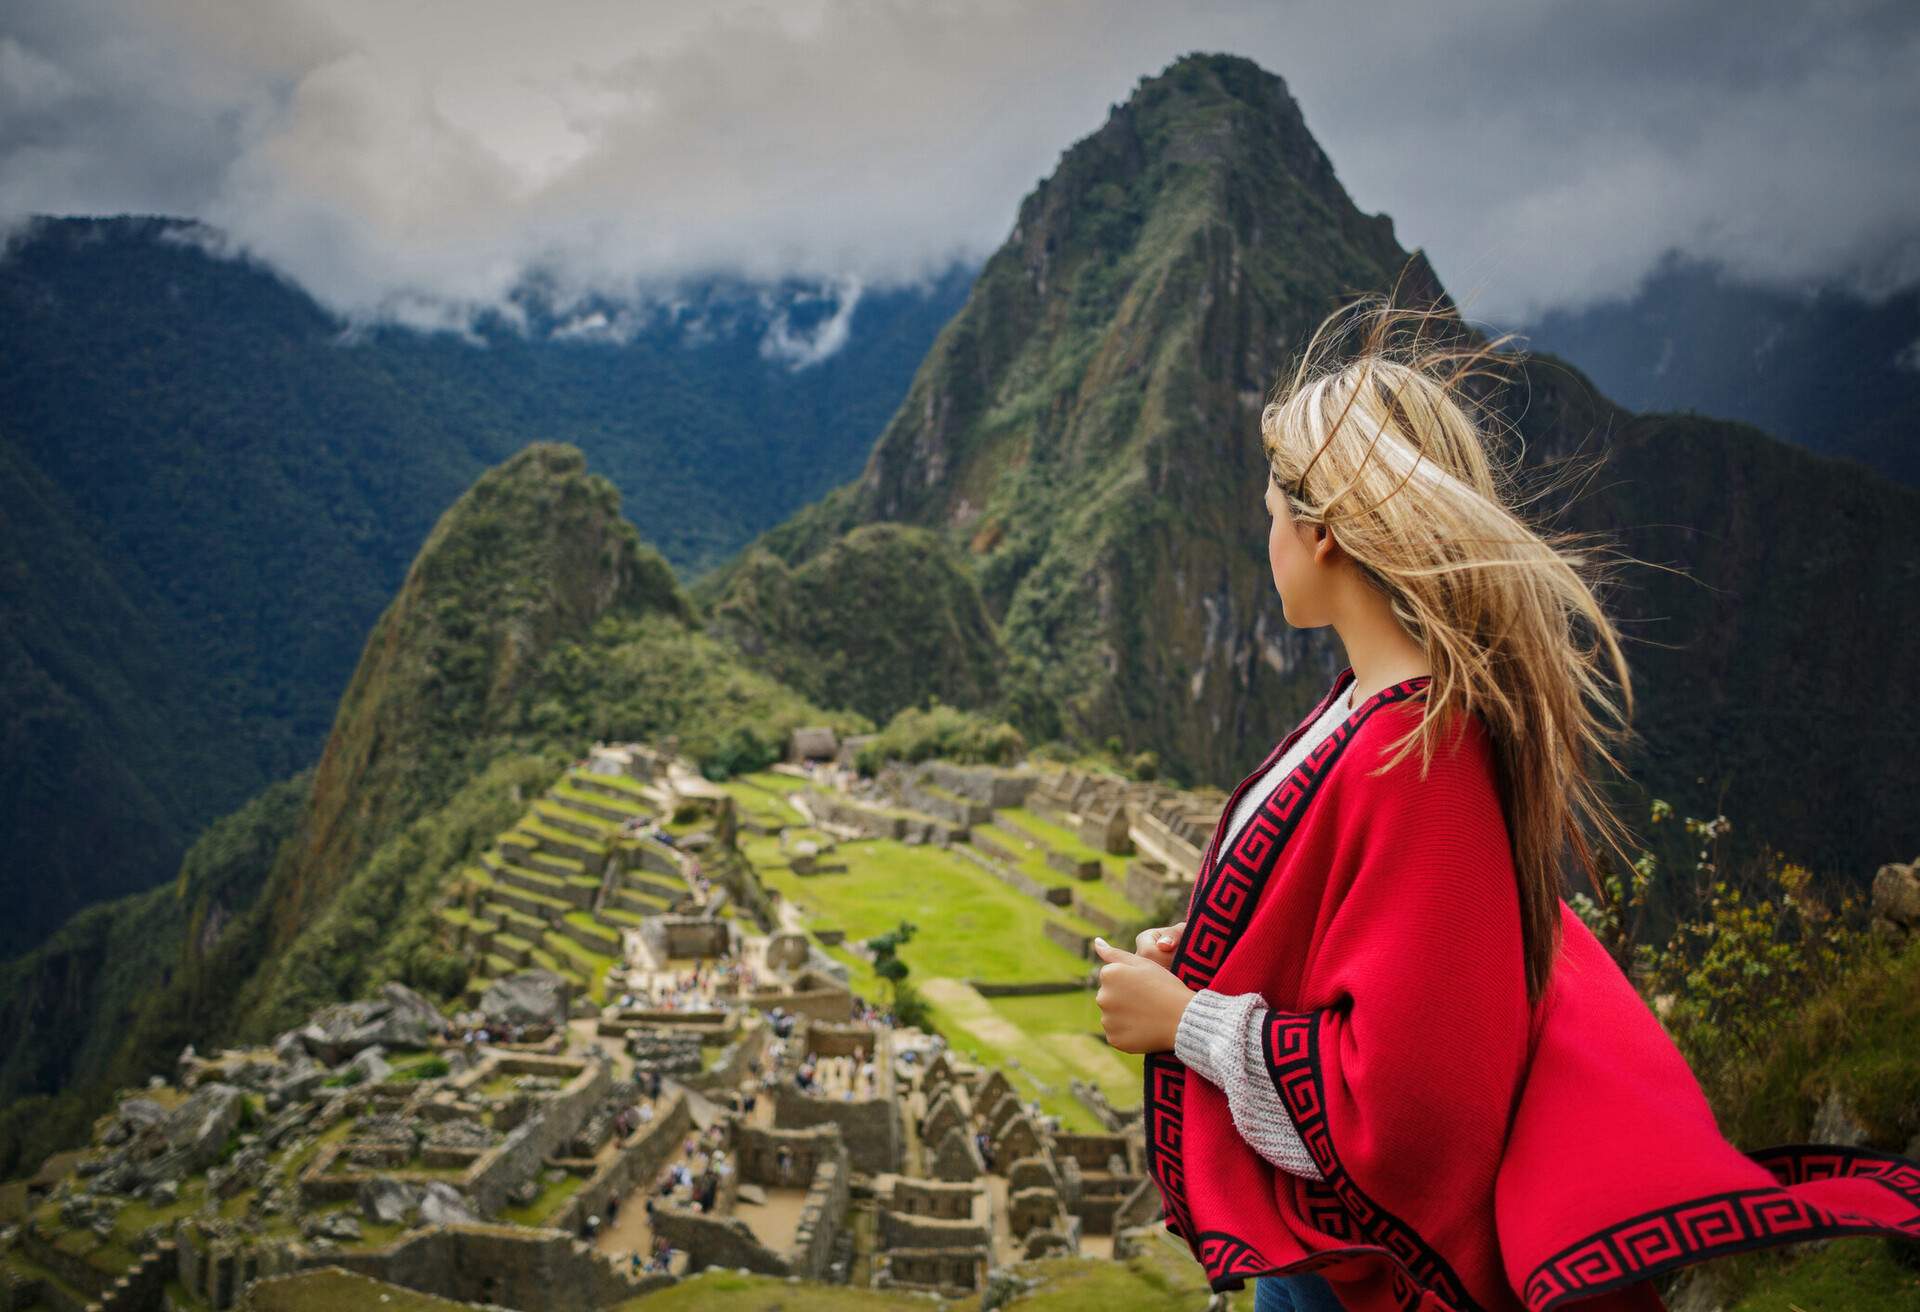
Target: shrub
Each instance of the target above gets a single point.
(910, 1006)
(916, 734)
(1744, 956)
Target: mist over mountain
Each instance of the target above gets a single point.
(1826, 369)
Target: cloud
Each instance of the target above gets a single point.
(420, 162)
(799, 347)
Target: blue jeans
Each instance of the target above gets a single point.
(1305, 1292)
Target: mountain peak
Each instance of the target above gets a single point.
(535, 552)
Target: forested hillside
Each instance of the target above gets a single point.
(214, 487)
(1084, 439)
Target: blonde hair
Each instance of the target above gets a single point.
(1388, 446)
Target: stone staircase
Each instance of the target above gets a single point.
(561, 889)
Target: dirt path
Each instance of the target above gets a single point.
(974, 1013)
(1094, 1058)
(776, 1221)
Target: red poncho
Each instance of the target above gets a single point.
(1478, 1153)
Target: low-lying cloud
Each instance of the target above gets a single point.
(417, 163)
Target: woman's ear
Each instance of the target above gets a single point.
(1325, 547)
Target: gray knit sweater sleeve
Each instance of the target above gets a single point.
(1219, 1036)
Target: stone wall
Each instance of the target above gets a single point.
(529, 1144)
(822, 1212)
(1107, 923)
(70, 1268)
(1092, 1150)
(723, 1241)
(871, 1127)
(727, 1072)
(882, 822)
(986, 784)
(819, 1004)
(937, 802)
(532, 1270)
(900, 1230)
(1057, 894)
(633, 1166)
(955, 1272)
(757, 1153)
(937, 1199)
(1028, 988)
(1148, 881)
(830, 1040)
(687, 936)
(1066, 936)
(1094, 1099)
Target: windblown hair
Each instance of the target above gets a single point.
(1388, 446)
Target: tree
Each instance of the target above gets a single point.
(886, 962)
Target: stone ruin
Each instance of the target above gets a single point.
(537, 1149)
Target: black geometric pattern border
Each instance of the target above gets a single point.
(1224, 895)
(1338, 1206)
(1718, 1224)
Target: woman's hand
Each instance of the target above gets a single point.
(1158, 945)
(1140, 1000)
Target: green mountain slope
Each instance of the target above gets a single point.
(1085, 435)
(531, 611)
(536, 551)
(243, 484)
(97, 780)
(814, 627)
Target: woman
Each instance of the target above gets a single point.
(1387, 1066)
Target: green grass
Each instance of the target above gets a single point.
(1062, 839)
(568, 791)
(584, 921)
(632, 787)
(1858, 1274)
(1861, 1036)
(553, 809)
(545, 958)
(1067, 1026)
(763, 805)
(336, 1290)
(1099, 894)
(592, 966)
(1160, 1278)
(484, 879)
(553, 1196)
(772, 782)
(546, 833)
(515, 922)
(538, 844)
(972, 926)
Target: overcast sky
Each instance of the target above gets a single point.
(414, 158)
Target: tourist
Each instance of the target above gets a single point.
(646, 1113)
(613, 1208)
